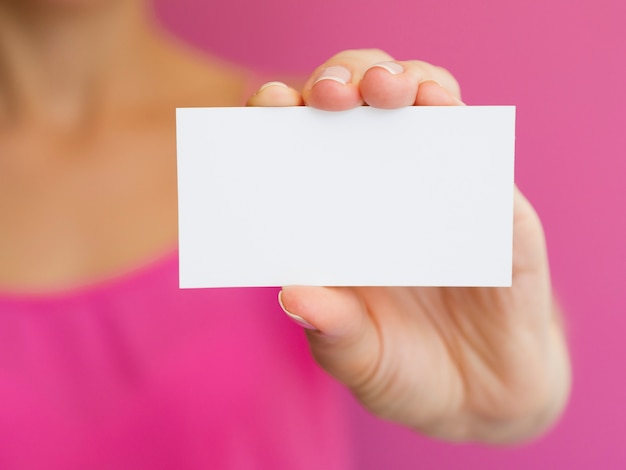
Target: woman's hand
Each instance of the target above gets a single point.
(487, 364)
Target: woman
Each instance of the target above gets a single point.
(106, 364)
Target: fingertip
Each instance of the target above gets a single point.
(332, 96)
(275, 94)
(329, 310)
(386, 85)
(296, 318)
(332, 89)
(431, 93)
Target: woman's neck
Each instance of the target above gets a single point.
(61, 65)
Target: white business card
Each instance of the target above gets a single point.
(418, 196)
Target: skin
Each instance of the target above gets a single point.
(88, 190)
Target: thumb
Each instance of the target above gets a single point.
(342, 335)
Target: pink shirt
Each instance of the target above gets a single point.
(134, 373)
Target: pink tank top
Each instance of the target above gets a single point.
(134, 373)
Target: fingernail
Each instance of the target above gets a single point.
(297, 318)
(269, 84)
(336, 73)
(392, 67)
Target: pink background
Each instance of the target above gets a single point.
(563, 63)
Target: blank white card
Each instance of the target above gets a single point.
(419, 196)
